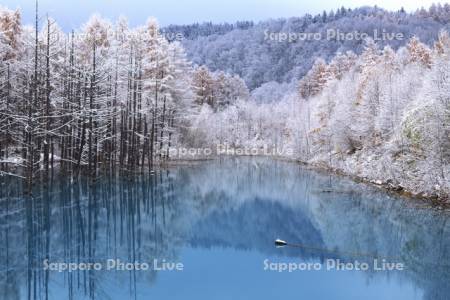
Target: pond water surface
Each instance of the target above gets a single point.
(217, 220)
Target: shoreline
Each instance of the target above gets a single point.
(441, 203)
(434, 200)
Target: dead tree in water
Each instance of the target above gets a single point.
(32, 103)
(92, 139)
(48, 118)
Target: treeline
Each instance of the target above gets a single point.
(105, 97)
(196, 30)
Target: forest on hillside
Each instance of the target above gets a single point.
(244, 49)
(109, 97)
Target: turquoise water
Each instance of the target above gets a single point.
(218, 220)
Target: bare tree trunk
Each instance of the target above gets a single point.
(47, 105)
(169, 142)
(152, 138)
(162, 128)
(33, 99)
(92, 158)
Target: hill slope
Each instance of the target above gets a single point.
(246, 49)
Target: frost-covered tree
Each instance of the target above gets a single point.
(418, 52)
(341, 64)
(10, 48)
(94, 51)
(315, 80)
(10, 32)
(228, 90)
(203, 85)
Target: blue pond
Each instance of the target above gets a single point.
(218, 221)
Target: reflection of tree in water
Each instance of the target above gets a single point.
(85, 222)
(277, 199)
(367, 220)
(240, 204)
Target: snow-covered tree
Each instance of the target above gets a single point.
(315, 80)
(10, 48)
(341, 64)
(418, 52)
(203, 85)
(10, 31)
(228, 90)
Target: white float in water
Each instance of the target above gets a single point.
(280, 243)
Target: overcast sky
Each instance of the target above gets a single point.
(72, 13)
